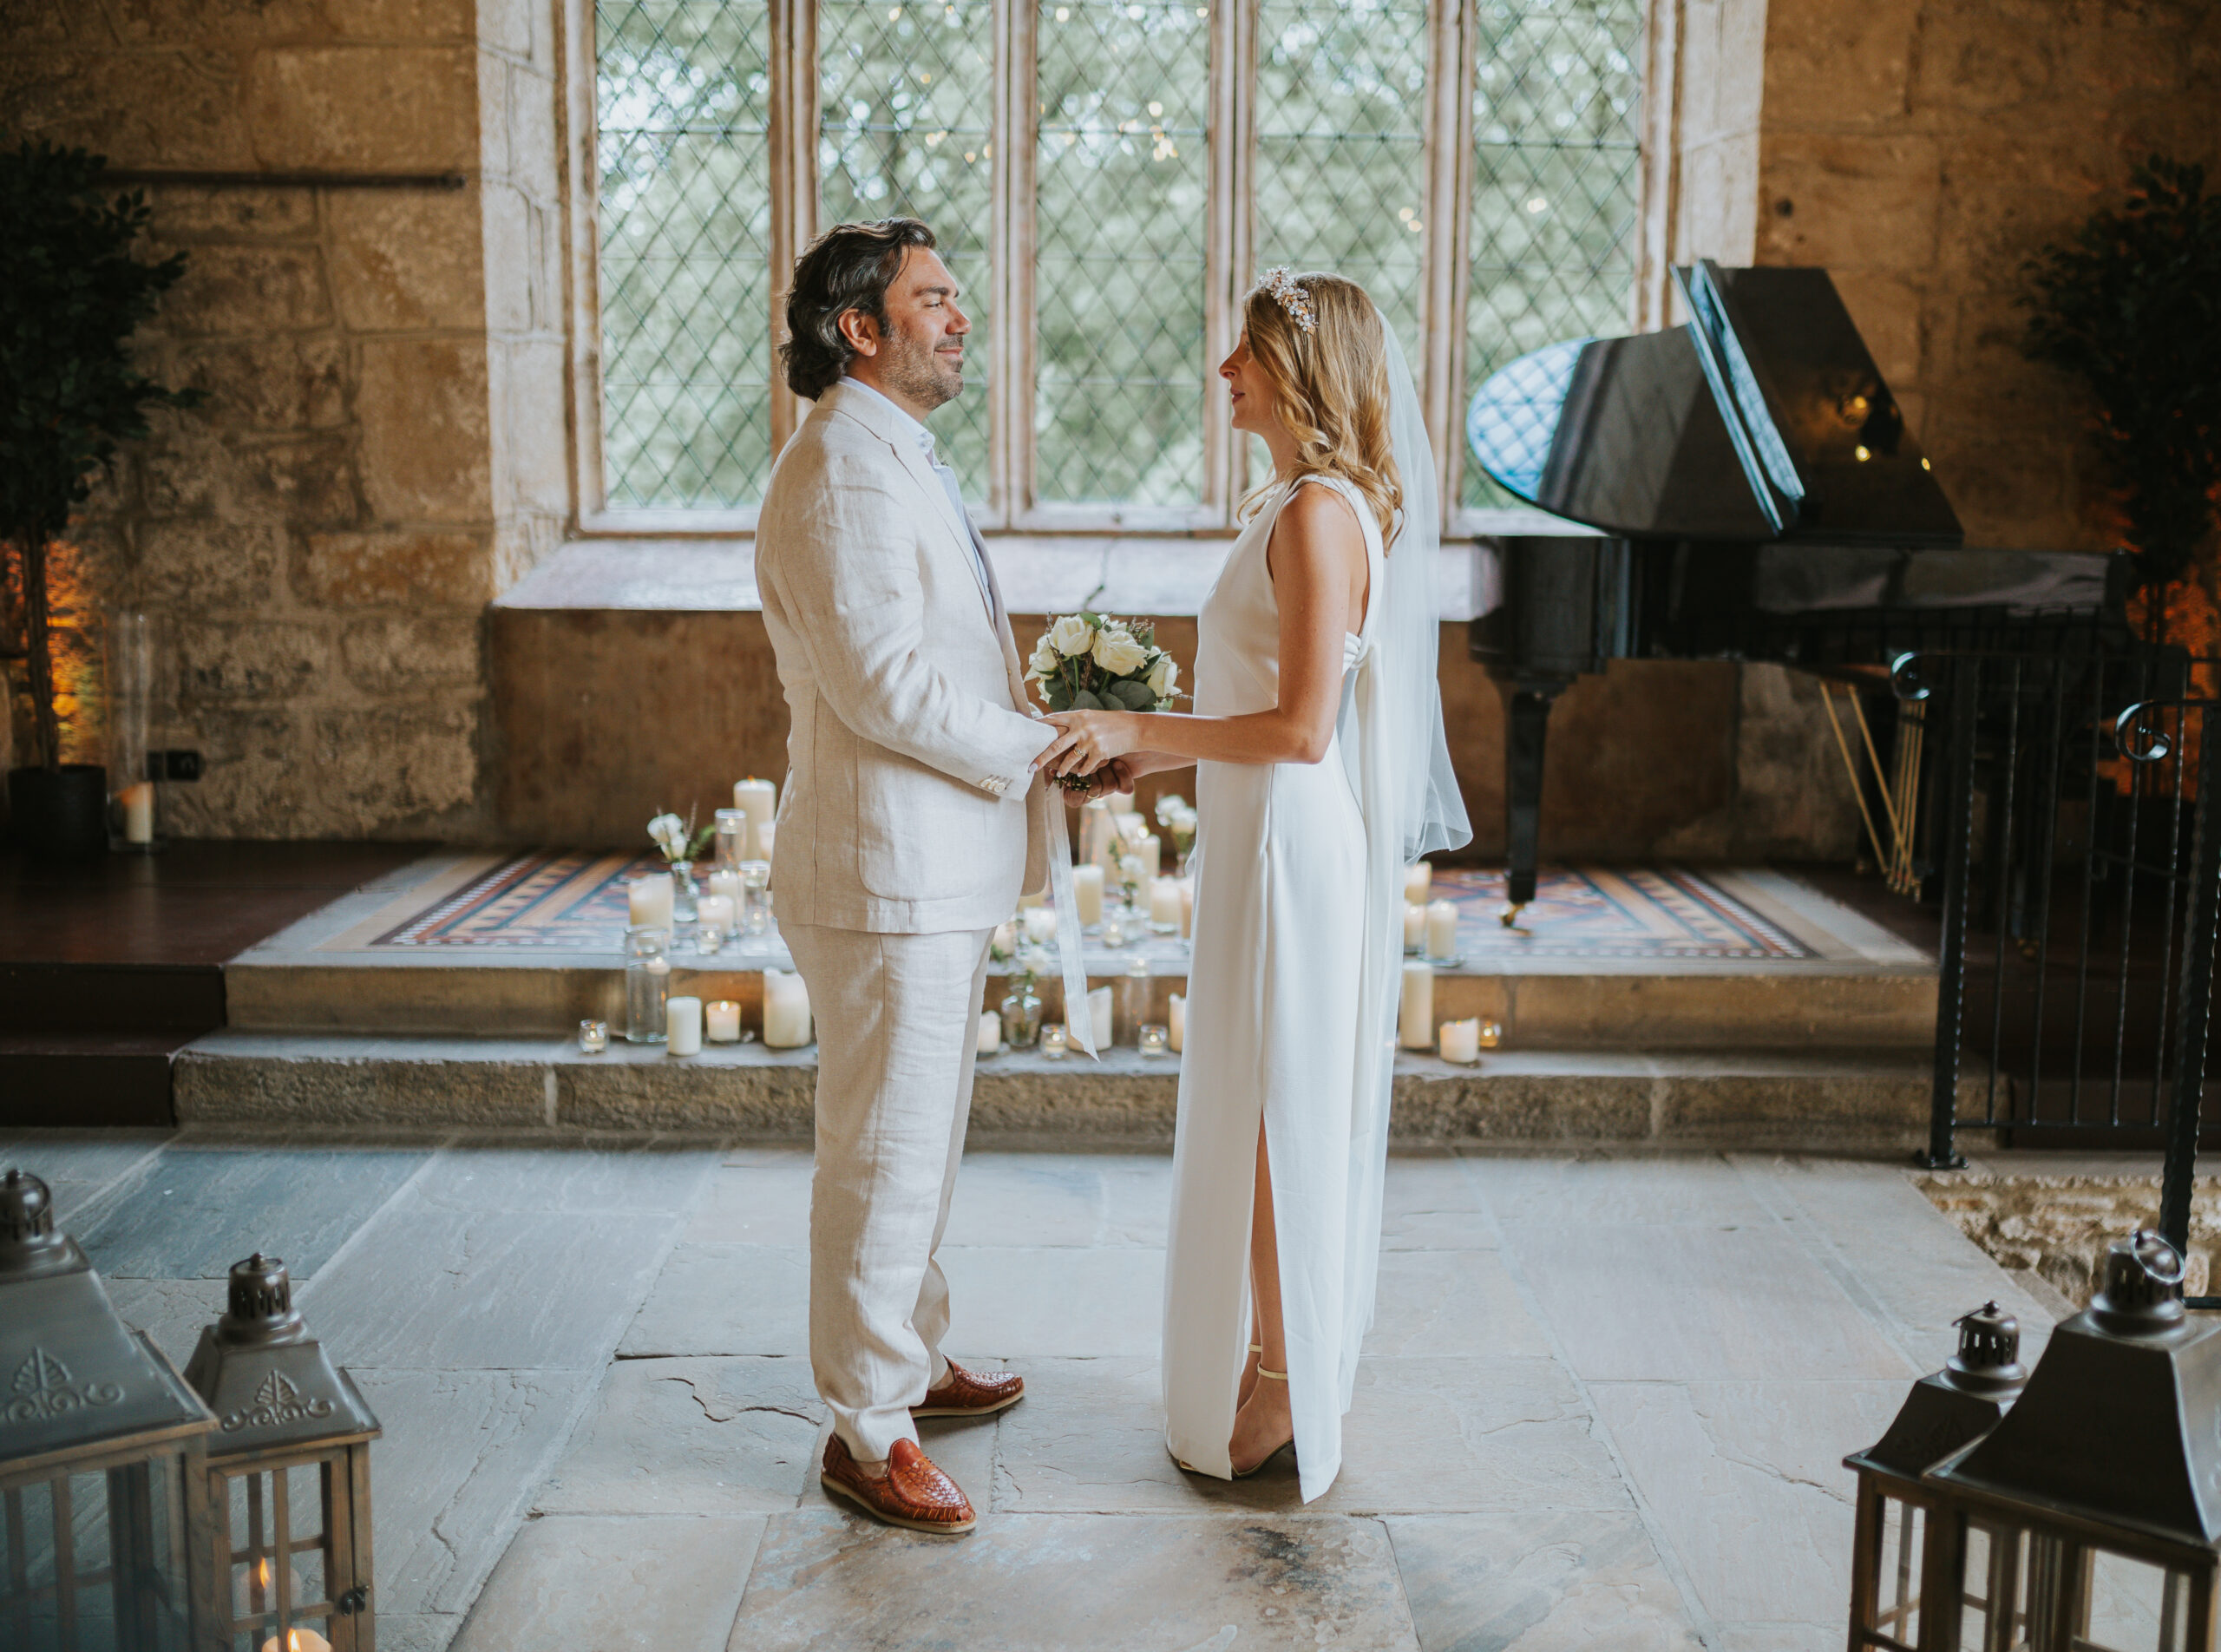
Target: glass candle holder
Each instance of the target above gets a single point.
(725, 880)
(755, 898)
(593, 1036)
(1136, 990)
(732, 836)
(714, 917)
(1112, 933)
(647, 984)
(1054, 1042)
(1491, 1034)
(1155, 1039)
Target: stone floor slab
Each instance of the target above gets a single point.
(461, 1453)
(1075, 1583)
(491, 1175)
(78, 1166)
(1435, 1204)
(1683, 1302)
(171, 1311)
(753, 1204)
(191, 1211)
(1528, 1583)
(430, 1289)
(722, 1299)
(616, 1584)
(1041, 1200)
(1747, 1483)
(1457, 1303)
(1054, 1301)
(1503, 1434)
(691, 1436)
(1699, 1190)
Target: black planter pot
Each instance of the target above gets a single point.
(59, 814)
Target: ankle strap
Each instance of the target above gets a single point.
(1277, 1376)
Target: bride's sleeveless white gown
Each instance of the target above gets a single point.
(1283, 934)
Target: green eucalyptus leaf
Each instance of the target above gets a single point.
(1084, 701)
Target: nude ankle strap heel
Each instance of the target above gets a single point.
(1276, 1376)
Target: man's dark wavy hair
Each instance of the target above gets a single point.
(847, 268)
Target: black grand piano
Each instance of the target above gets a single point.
(1756, 495)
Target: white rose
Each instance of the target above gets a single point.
(1119, 655)
(670, 834)
(1164, 675)
(1046, 659)
(1071, 635)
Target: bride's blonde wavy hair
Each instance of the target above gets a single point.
(1330, 390)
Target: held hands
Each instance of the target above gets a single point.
(1087, 741)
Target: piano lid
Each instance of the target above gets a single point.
(1764, 418)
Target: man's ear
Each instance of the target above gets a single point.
(860, 331)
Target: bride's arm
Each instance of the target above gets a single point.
(1316, 555)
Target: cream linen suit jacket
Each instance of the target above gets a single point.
(910, 804)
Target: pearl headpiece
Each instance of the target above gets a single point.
(1281, 282)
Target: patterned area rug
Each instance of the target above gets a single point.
(567, 900)
(1589, 911)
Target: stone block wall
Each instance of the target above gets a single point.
(315, 545)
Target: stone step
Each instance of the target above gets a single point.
(1860, 1099)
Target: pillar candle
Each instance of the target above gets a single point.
(1418, 879)
(1179, 1022)
(1188, 905)
(990, 1040)
(1461, 1041)
(138, 812)
(725, 880)
(786, 1010)
(683, 1020)
(1087, 894)
(1415, 1024)
(759, 800)
(649, 901)
(1122, 802)
(1442, 930)
(1150, 850)
(765, 831)
(1414, 926)
(1098, 1018)
(721, 1018)
(721, 911)
(1164, 904)
(1041, 925)
(1033, 898)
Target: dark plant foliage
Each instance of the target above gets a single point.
(2132, 306)
(71, 295)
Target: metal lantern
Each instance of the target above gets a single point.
(102, 1494)
(1896, 1511)
(289, 1478)
(2090, 1518)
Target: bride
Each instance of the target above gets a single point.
(1321, 771)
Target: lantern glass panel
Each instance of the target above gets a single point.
(279, 1521)
(1897, 1560)
(60, 1537)
(2134, 1606)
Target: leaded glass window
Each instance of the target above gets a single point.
(1121, 164)
(906, 97)
(1341, 145)
(681, 106)
(1556, 169)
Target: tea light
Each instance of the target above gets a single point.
(1087, 895)
(647, 900)
(786, 1010)
(721, 1017)
(990, 1040)
(1441, 929)
(593, 1036)
(1154, 1041)
(1461, 1042)
(1415, 1022)
(1053, 1041)
(1414, 927)
(759, 801)
(683, 1021)
(1419, 879)
(1177, 1035)
(1491, 1034)
(1040, 924)
(1164, 906)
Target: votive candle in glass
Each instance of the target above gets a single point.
(1491, 1034)
(1154, 1039)
(755, 898)
(1461, 1042)
(715, 914)
(1442, 930)
(1054, 1040)
(683, 1017)
(593, 1036)
(732, 837)
(721, 1020)
(725, 880)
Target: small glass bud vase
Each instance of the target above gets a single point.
(683, 892)
(647, 984)
(1021, 1013)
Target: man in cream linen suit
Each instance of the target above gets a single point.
(911, 823)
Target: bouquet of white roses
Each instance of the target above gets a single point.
(1092, 662)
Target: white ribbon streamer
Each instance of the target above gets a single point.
(1069, 942)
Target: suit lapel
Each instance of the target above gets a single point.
(875, 417)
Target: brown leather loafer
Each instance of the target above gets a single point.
(914, 1494)
(971, 1393)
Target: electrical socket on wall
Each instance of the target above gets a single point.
(172, 766)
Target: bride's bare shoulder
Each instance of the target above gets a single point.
(1319, 519)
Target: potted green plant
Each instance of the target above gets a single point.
(2132, 306)
(71, 295)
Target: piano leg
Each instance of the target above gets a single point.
(1526, 723)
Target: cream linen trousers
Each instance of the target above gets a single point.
(897, 1021)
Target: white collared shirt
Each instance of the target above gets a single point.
(947, 478)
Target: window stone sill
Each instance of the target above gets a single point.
(1161, 577)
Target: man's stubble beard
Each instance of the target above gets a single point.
(918, 371)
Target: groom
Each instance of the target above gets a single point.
(911, 823)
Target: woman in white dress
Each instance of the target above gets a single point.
(1321, 770)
